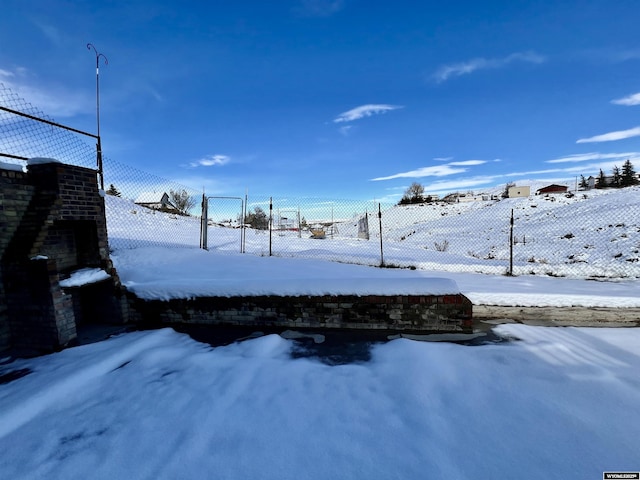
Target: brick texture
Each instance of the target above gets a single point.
(451, 313)
(53, 212)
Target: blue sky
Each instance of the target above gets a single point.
(338, 98)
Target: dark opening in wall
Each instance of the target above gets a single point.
(74, 244)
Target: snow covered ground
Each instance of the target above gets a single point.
(156, 256)
(561, 403)
(548, 403)
(594, 234)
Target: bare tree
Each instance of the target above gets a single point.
(413, 194)
(182, 201)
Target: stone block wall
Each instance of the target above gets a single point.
(410, 313)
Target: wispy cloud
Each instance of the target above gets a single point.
(446, 72)
(629, 100)
(50, 32)
(364, 111)
(612, 136)
(435, 171)
(53, 101)
(461, 184)
(585, 157)
(618, 55)
(346, 130)
(319, 8)
(443, 170)
(567, 174)
(211, 161)
(468, 163)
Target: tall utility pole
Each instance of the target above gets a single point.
(98, 145)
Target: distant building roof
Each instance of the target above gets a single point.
(152, 197)
(553, 189)
(156, 200)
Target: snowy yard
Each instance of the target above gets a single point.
(542, 403)
(559, 403)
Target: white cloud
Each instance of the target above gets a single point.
(468, 163)
(463, 68)
(446, 169)
(462, 184)
(629, 100)
(435, 171)
(612, 136)
(210, 161)
(583, 157)
(364, 111)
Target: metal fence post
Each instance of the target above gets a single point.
(380, 223)
(204, 223)
(244, 219)
(510, 272)
(270, 222)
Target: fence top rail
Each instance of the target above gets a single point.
(15, 157)
(48, 122)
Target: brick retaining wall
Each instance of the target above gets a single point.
(416, 313)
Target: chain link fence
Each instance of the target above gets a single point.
(26, 132)
(592, 234)
(581, 234)
(22, 137)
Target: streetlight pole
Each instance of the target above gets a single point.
(98, 146)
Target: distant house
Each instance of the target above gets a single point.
(552, 189)
(156, 201)
(467, 197)
(519, 192)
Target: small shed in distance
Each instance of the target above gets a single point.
(156, 201)
(552, 189)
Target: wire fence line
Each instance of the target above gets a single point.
(582, 234)
(566, 235)
(32, 133)
(23, 138)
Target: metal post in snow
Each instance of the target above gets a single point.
(380, 224)
(244, 218)
(270, 221)
(331, 223)
(511, 247)
(242, 207)
(204, 223)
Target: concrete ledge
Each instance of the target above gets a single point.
(561, 316)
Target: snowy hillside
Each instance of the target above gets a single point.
(595, 233)
(592, 234)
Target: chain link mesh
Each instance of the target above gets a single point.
(561, 235)
(589, 234)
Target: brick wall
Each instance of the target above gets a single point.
(15, 195)
(415, 313)
(54, 211)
